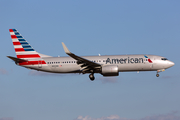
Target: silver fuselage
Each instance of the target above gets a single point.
(125, 63)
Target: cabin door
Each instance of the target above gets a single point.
(40, 64)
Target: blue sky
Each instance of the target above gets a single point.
(91, 28)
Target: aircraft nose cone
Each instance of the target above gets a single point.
(172, 64)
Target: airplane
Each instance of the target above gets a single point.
(106, 65)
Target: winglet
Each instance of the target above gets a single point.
(65, 48)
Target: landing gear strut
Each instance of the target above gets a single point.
(91, 76)
(157, 75)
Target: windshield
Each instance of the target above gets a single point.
(164, 59)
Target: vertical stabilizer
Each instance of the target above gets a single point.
(22, 48)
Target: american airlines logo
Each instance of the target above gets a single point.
(149, 60)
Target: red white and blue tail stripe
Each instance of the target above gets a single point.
(24, 50)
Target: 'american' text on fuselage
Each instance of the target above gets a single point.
(124, 60)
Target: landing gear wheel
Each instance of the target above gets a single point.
(91, 76)
(157, 75)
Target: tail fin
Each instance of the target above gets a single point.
(26, 55)
(22, 48)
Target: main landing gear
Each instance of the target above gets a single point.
(91, 76)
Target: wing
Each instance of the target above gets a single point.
(87, 65)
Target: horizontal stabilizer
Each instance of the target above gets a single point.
(17, 59)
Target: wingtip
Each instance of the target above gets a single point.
(65, 48)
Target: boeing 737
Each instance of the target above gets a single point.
(106, 65)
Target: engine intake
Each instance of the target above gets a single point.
(110, 70)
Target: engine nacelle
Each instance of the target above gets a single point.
(110, 70)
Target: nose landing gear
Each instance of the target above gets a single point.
(91, 76)
(157, 75)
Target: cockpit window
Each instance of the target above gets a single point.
(164, 59)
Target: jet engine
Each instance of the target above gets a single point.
(110, 70)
